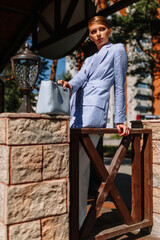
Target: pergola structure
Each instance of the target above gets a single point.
(54, 24)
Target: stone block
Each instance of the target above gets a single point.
(2, 130)
(2, 203)
(26, 164)
(156, 150)
(56, 161)
(25, 231)
(35, 131)
(27, 202)
(4, 164)
(155, 126)
(56, 228)
(3, 232)
(156, 176)
(156, 200)
(156, 224)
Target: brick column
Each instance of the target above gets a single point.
(155, 126)
(34, 177)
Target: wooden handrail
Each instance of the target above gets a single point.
(141, 214)
(107, 131)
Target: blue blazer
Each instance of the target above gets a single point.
(91, 87)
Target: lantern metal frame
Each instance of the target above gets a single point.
(26, 68)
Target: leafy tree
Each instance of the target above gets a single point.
(66, 76)
(12, 95)
(137, 28)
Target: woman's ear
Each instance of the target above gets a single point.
(110, 32)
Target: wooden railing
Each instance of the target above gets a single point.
(140, 214)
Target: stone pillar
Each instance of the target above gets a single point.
(155, 126)
(34, 177)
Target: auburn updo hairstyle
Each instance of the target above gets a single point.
(100, 20)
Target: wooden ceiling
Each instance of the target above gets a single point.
(18, 19)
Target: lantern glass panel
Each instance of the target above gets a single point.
(26, 72)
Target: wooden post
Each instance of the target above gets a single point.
(74, 187)
(136, 180)
(148, 178)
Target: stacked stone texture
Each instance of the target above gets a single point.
(155, 126)
(34, 177)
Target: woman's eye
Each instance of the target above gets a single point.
(102, 29)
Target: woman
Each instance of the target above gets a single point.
(90, 94)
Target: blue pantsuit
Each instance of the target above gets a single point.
(91, 92)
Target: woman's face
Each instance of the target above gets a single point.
(99, 34)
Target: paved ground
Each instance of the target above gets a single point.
(111, 142)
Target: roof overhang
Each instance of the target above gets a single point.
(21, 18)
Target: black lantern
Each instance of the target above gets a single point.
(25, 67)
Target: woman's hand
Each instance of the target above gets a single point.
(65, 84)
(122, 129)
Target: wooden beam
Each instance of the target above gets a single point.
(69, 14)
(74, 188)
(94, 156)
(57, 15)
(136, 180)
(107, 130)
(122, 229)
(45, 24)
(106, 186)
(148, 177)
(84, 23)
(15, 10)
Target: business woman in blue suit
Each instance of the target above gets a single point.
(91, 91)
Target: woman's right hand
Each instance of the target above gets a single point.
(65, 84)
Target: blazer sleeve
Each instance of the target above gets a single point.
(120, 69)
(80, 77)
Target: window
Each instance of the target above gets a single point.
(142, 85)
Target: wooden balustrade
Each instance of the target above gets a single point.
(140, 214)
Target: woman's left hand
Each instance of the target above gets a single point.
(122, 129)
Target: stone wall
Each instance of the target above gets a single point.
(34, 177)
(155, 126)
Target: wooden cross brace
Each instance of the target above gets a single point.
(107, 185)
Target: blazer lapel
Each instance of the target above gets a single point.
(98, 57)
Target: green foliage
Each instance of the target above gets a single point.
(65, 76)
(139, 23)
(115, 136)
(12, 96)
(137, 29)
(109, 151)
